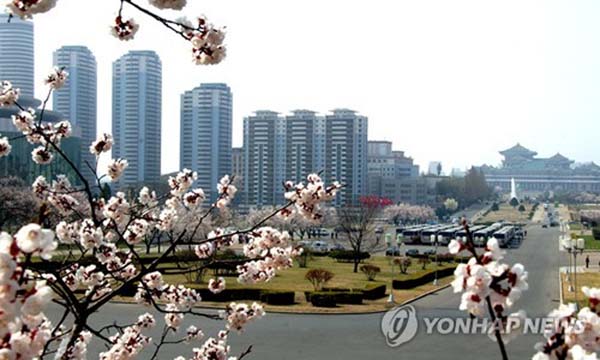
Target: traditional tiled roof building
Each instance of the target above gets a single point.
(534, 175)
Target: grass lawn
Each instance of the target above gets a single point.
(293, 280)
(575, 226)
(590, 242)
(507, 213)
(590, 279)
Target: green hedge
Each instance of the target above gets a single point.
(271, 297)
(374, 291)
(340, 295)
(344, 297)
(348, 255)
(323, 299)
(414, 281)
(277, 297)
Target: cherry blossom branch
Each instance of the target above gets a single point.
(167, 23)
(471, 248)
(245, 353)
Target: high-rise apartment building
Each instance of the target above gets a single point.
(280, 148)
(205, 143)
(264, 158)
(237, 162)
(346, 154)
(77, 99)
(17, 54)
(305, 144)
(17, 66)
(136, 118)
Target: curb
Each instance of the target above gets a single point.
(430, 292)
(560, 287)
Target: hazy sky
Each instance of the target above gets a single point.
(447, 80)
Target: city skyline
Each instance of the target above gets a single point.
(537, 92)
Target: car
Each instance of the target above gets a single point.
(319, 246)
(412, 252)
(323, 232)
(545, 225)
(307, 244)
(336, 247)
(429, 252)
(392, 251)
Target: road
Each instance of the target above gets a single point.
(282, 336)
(470, 212)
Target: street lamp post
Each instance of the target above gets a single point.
(435, 240)
(578, 246)
(388, 244)
(400, 244)
(566, 244)
(574, 247)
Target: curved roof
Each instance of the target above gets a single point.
(518, 150)
(560, 158)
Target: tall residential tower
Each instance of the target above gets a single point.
(346, 154)
(205, 144)
(77, 99)
(264, 158)
(16, 54)
(136, 118)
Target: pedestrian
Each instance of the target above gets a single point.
(587, 262)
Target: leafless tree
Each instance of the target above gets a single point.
(357, 225)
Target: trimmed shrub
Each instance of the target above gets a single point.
(403, 263)
(230, 294)
(323, 299)
(345, 297)
(424, 261)
(414, 281)
(348, 255)
(370, 271)
(318, 277)
(277, 297)
(447, 257)
(336, 297)
(374, 291)
(321, 254)
(596, 233)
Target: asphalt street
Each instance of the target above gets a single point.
(281, 336)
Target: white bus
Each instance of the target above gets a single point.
(413, 235)
(448, 234)
(505, 235)
(481, 236)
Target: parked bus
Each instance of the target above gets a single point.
(462, 233)
(481, 236)
(434, 230)
(413, 235)
(428, 232)
(505, 235)
(448, 234)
